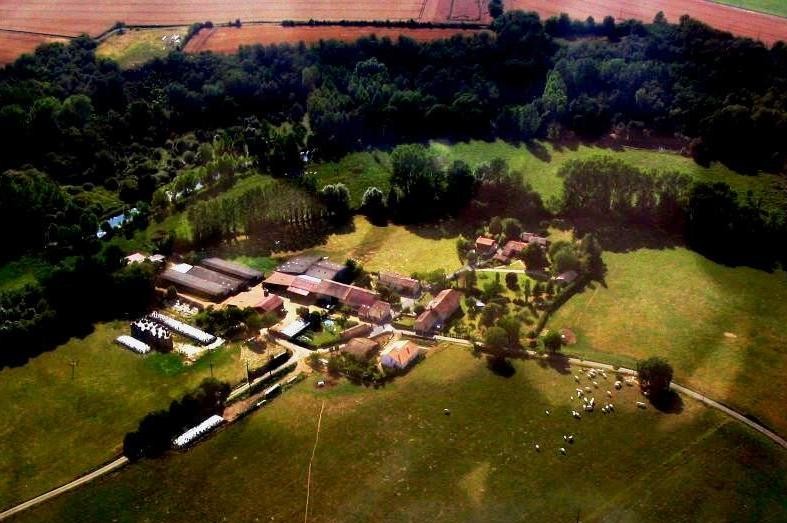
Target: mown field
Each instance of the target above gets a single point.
(393, 247)
(721, 328)
(57, 428)
(539, 166)
(136, 46)
(774, 7)
(391, 454)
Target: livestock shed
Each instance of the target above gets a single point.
(233, 285)
(236, 270)
(325, 270)
(191, 284)
(298, 264)
(270, 303)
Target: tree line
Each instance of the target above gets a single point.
(713, 218)
(77, 293)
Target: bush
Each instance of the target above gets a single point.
(553, 341)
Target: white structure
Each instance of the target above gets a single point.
(133, 344)
(195, 432)
(183, 328)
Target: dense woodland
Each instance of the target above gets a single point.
(83, 139)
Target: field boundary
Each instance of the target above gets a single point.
(746, 9)
(34, 33)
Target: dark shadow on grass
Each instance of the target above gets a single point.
(620, 238)
(538, 150)
(668, 402)
(500, 366)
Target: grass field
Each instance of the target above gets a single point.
(721, 328)
(774, 7)
(58, 428)
(18, 273)
(396, 248)
(358, 171)
(539, 167)
(390, 454)
(541, 170)
(136, 46)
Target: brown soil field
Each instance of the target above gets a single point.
(760, 26)
(13, 45)
(73, 17)
(228, 39)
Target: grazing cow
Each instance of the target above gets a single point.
(641, 405)
(563, 451)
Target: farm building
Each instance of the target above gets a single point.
(426, 322)
(291, 330)
(407, 286)
(485, 246)
(325, 270)
(298, 264)
(360, 348)
(191, 284)
(233, 285)
(378, 312)
(358, 297)
(512, 249)
(235, 270)
(529, 237)
(442, 307)
(400, 354)
(445, 303)
(303, 286)
(279, 279)
(358, 331)
(270, 303)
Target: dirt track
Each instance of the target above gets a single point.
(227, 39)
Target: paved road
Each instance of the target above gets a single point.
(106, 469)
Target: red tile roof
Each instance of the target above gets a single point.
(398, 281)
(359, 297)
(270, 303)
(379, 310)
(425, 321)
(280, 278)
(445, 303)
(486, 242)
(513, 247)
(403, 352)
(333, 289)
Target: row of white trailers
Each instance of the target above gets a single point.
(172, 324)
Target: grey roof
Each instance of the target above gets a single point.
(233, 269)
(191, 283)
(325, 270)
(298, 264)
(228, 282)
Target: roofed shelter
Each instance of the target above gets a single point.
(236, 270)
(360, 348)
